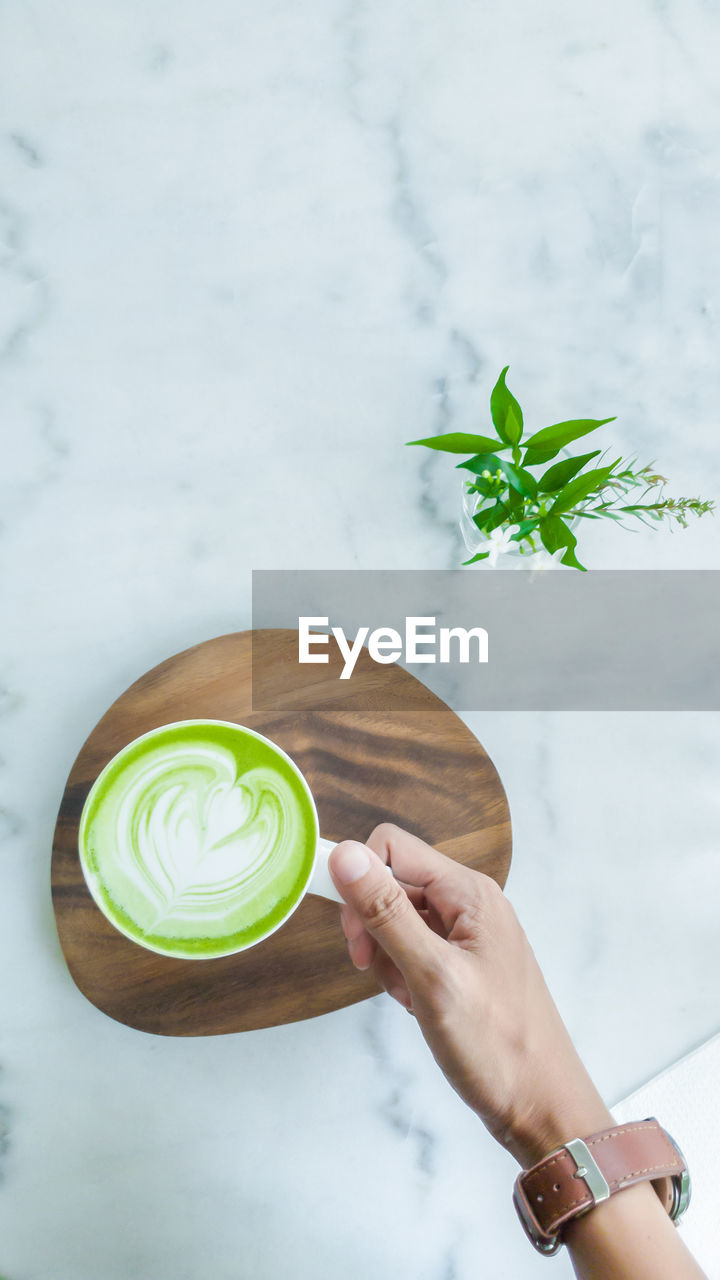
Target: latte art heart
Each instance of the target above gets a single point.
(198, 839)
(194, 839)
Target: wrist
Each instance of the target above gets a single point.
(544, 1129)
(580, 1182)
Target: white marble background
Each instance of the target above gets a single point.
(247, 251)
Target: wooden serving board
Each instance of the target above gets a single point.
(418, 766)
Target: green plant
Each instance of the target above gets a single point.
(534, 507)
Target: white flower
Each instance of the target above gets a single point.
(499, 543)
(543, 559)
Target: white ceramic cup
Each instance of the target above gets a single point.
(146, 865)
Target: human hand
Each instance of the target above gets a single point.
(445, 942)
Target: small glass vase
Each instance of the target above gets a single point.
(503, 553)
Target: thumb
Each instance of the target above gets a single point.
(368, 886)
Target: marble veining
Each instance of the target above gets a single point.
(26, 300)
(245, 255)
(11, 824)
(28, 150)
(394, 1105)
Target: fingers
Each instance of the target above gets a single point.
(364, 954)
(384, 910)
(361, 946)
(415, 861)
(392, 980)
(446, 884)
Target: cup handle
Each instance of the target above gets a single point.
(321, 882)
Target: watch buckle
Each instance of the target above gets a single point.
(587, 1169)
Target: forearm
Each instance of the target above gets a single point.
(445, 942)
(629, 1237)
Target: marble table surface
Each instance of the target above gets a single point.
(246, 252)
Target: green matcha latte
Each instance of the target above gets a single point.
(198, 839)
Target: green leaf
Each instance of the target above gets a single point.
(505, 411)
(482, 516)
(559, 474)
(523, 481)
(514, 422)
(579, 488)
(520, 479)
(562, 433)
(492, 517)
(524, 528)
(513, 500)
(555, 534)
(545, 444)
(481, 555)
(481, 462)
(461, 442)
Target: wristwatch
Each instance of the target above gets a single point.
(572, 1180)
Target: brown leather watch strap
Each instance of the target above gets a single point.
(573, 1179)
